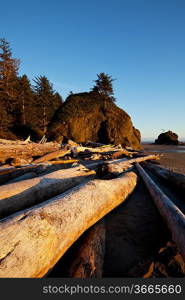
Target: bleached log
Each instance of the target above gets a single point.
(11, 173)
(11, 142)
(26, 151)
(114, 168)
(96, 150)
(34, 240)
(83, 150)
(143, 158)
(66, 161)
(172, 215)
(52, 155)
(107, 170)
(89, 259)
(25, 193)
(174, 179)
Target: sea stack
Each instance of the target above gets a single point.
(86, 117)
(167, 138)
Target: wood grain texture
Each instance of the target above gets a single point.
(25, 151)
(25, 193)
(32, 241)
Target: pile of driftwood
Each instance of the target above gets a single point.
(19, 153)
(47, 205)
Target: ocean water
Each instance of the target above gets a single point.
(174, 149)
(169, 151)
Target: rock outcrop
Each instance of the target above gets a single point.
(167, 138)
(86, 117)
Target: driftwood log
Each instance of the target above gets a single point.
(78, 150)
(114, 168)
(106, 170)
(176, 180)
(8, 152)
(11, 173)
(11, 142)
(52, 155)
(26, 193)
(89, 259)
(172, 215)
(66, 161)
(32, 241)
(103, 150)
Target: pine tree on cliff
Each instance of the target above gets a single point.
(47, 101)
(25, 100)
(104, 86)
(8, 70)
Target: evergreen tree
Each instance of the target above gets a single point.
(6, 119)
(25, 100)
(8, 80)
(104, 86)
(8, 70)
(23, 109)
(45, 96)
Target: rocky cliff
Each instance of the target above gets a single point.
(86, 117)
(167, 138)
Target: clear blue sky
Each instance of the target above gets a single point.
(141, 43)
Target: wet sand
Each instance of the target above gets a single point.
(169, 157)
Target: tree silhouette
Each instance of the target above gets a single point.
(8, 69)
(104, 86)
(25, 99)
(48, 101)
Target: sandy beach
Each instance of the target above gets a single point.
(172, 157)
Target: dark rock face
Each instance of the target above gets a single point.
(167, 138)
(86, 117)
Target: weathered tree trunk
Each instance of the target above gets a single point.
(83, 150)
(143, 158)
(66, 161)
(89, 259)
(172, 215)
(174, 179)
(34, 240)
(114, 168)
(106, 150)
(26, 193)
(11, 173)
(106, 170)
(52, 155)
(11, 151)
